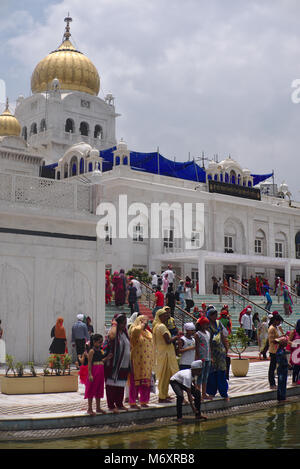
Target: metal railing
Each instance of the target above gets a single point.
(244, 288)
(181, 316)
(255, 304)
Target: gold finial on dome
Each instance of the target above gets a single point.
(67, 34)
(73, 69)
(9, 124)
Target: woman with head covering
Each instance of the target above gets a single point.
(287, 301)
(218, 345)
(225, 319)
(273, 334)
(142, 357)
(59, 342)
(262, 337)
(117, 368)
(294, 341)
(108, 289)
(119, 289)
(165, 363)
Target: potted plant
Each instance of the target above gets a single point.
(60, 379)
(20, 382)
(57, 380)
(238, 342)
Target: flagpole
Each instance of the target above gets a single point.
(157, 160)
(196, 170)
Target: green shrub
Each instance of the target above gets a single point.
(238, 341)
(10, 365)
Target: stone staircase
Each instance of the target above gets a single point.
(236, 306)
(111, 310)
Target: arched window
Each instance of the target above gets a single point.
(65, 170)
(249, 184)
(43, 126)
(260, 243)
(98, 132)
(125, 160)
(69, 127)
(232, 177)
(90, 167)
(84, 129)
(226, 177)
(209, 177)
(297, 243)
(81, 169)
(117, 161)
(33, 129)
(216, 177)
(24, 133)
(73, 166)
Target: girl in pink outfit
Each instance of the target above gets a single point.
(294, 342)
(94, 387)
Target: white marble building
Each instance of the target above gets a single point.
(59, 161)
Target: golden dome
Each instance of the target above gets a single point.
(73, 70)
(9, 124)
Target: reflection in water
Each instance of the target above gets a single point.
(273, 428)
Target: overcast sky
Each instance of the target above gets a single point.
(188, 76)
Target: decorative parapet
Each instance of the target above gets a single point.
(44, 193)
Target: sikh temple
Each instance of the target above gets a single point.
(62, 169)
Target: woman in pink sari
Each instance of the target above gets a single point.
(119, 289)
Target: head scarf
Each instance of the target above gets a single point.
(196, 364)
(80, 317)
(157, 317)
(211, 311)
(189, 326)
(137, 324)
(132, 319)
(203, 320)
(60, 332)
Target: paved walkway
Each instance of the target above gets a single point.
(73, 402)
(69, 407)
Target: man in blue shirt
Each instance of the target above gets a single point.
(80, 335)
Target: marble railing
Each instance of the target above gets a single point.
(41, 192)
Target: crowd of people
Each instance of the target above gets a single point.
(137, 353)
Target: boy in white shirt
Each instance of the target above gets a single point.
(247, 324)
(183, 381)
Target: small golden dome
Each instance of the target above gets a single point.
(73, 70)
(9, 124)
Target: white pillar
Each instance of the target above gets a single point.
(201, 274)
(287, 273)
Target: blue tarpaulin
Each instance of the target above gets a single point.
(155, 163)
(257, 178)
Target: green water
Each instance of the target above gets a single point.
(274, 428)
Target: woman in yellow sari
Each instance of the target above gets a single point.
(142, 358)
(165, 364)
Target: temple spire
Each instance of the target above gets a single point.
(67, 34)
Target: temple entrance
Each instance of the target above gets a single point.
(229, 271)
